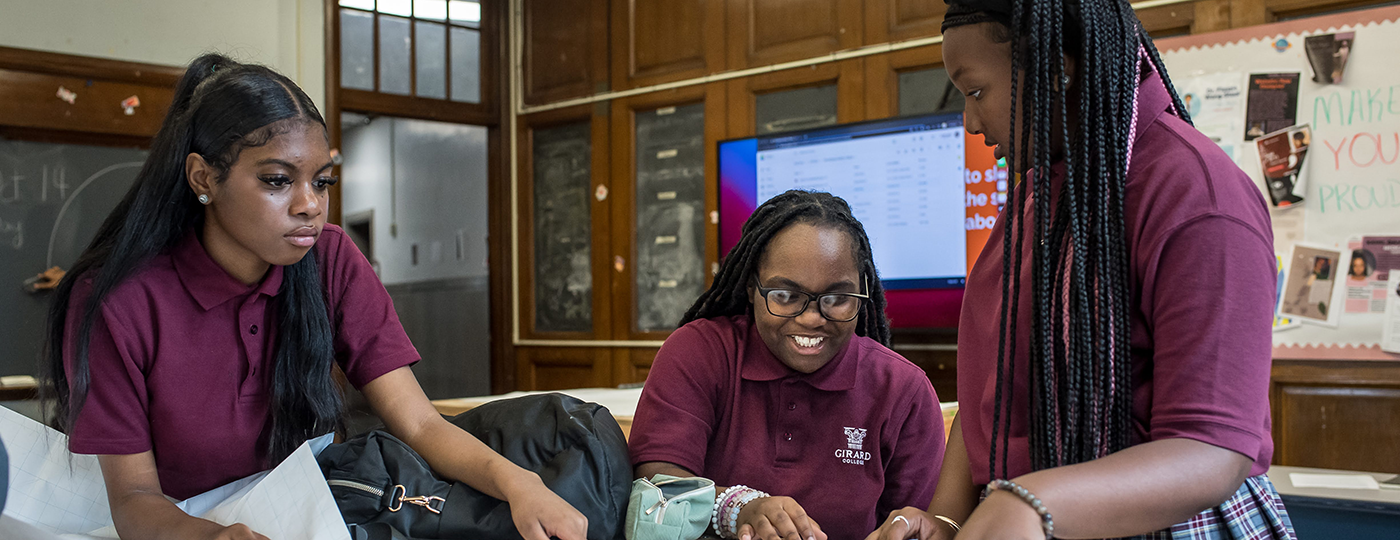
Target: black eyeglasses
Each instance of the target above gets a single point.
(834, 306)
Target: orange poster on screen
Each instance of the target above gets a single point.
(985, 184)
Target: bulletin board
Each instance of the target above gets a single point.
(1351, 172)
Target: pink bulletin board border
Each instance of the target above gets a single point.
(1268, 31)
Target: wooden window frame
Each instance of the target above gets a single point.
(485, 113)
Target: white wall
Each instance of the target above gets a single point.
(438, 171)
(288, 35)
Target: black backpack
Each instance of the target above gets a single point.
(386, 490)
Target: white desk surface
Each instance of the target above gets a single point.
(1279, 474)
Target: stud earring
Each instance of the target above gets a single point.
(203, 199)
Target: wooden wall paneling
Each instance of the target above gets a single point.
(601, 260)
(898, 20)
(29, 100)
(561, 368)
(1292, 9)
(1336, 414)
(656, 41)
(762, 32)
(566, 49)
(1169, 20)
(848, 75)
(632, 364)
(1248, 13)
(624, 182)
(882, 77)
(941, 367)
(1211, 16)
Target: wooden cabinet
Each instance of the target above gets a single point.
(565, 281)
(764, 32)
(846, 78)
(566, 49)
(1337, 414)
(655, 41)
(664, 188)
(631, 365)
(560, 368)
(898, 20)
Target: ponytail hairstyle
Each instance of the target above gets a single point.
(1080, 363)
(729, 293)
(220, 108)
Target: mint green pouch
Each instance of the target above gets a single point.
(669, 508)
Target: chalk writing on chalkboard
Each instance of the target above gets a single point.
(563, 229)
(670, 269)
(53, 197)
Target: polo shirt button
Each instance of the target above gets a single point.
(792, 406)
(254, 329)
(788, 436)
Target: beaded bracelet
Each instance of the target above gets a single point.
(1046, 522)
(732, 518)
(719, 505)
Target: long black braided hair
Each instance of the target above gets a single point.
(1079, 362)
(729, 293)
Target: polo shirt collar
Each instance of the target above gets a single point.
(1152, 100)
(759, 364)
(207, 282)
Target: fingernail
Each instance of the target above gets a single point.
(746, 536)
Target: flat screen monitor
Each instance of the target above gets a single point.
(926, 192)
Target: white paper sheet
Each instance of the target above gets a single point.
(50, 488)
(1390, 332)
(1333, 481)
(56, 495)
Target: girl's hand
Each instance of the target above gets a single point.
(1003, 516)
(777, 518)
(539, 514)
(916, 524)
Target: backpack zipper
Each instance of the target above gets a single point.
(356, 485)
(664, 502)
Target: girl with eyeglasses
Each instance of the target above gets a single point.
(781, 388)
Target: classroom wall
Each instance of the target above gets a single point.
(288, 35)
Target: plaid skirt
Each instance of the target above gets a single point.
(1255, 512)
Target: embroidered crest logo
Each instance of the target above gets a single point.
(854, 437)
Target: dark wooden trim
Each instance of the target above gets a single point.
(332, 112)
(89, 67)
(74, 137)
(503, 364)
(420, 108)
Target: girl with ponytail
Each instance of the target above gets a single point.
(193, 341)
(1114, 349)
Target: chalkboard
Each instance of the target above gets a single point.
(563, 229)
(670, 267)
(53, 197)
(789, 110)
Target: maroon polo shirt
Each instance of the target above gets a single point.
(850, 442)
(1202, 275)
(181, 358)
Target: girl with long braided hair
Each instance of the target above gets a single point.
(780, 381)
(1114, 348)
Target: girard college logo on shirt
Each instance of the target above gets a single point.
(853, 454)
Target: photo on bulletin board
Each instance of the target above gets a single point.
(1312, 292)
(1369, 265)
(1282, 322)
